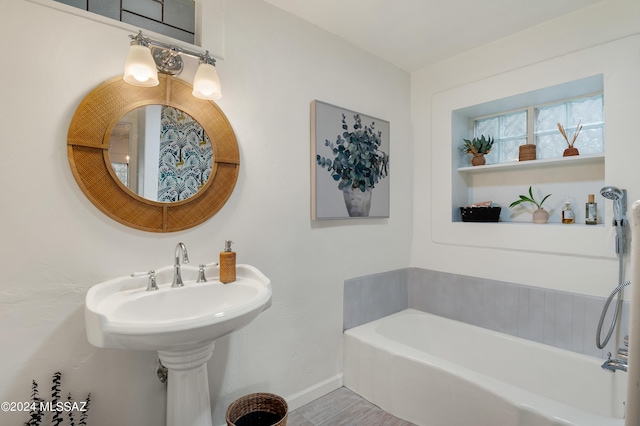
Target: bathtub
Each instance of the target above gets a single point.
(434, 371)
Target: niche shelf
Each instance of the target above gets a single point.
(575, 177)
(545, 162)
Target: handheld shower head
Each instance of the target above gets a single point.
(619, 198)
(612, 193)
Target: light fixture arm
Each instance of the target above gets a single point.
(139, 40)
(149, 42)
(205, 58)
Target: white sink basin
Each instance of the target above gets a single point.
(121, 314)
(181, 324)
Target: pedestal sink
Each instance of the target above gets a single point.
(181, 324)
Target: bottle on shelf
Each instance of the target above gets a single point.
(591, 211)
(568, 215)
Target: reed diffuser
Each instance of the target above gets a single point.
(571, 150)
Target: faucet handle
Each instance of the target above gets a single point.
(152, 286)
(201, 277)
(623, 355)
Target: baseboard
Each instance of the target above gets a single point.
(314, 392)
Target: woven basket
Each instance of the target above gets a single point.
(527, 152)
(266, 402)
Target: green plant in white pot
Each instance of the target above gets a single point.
(358, 164)
(540, 215)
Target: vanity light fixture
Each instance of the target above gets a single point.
(147, 57)
(206, 84)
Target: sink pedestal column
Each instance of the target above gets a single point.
(188, 401)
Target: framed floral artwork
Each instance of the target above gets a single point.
(349, 164)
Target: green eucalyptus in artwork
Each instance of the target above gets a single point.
(358, 161)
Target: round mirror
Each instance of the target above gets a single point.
(189, 189)
(161, 153)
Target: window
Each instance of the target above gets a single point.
(586, 112)
(509, 131)
(539, 125)
(173, 18)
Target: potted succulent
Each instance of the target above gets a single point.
(358, 164)
(478, 147)
(540, 215)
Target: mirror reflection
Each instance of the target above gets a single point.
(161, 153)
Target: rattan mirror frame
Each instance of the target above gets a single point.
(88, 152)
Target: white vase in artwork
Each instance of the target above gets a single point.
(358, 203)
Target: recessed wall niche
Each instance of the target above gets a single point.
(556, 79)
(572, 177)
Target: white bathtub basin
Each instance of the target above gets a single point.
(434, 371)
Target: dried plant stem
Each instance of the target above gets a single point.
(575, 134)
(562, 132)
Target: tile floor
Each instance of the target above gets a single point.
(342, 407)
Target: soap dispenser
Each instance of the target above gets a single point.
(227, 263)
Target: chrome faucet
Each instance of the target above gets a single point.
(177, 278)
(619, 363)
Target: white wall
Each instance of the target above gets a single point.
(56, 244)
(598, 39)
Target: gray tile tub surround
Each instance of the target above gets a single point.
(557, 318)
(371, 297)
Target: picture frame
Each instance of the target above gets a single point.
(349, 164)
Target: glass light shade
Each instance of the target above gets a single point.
(140, 68)
(206, 84)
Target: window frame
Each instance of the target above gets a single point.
(531, 118)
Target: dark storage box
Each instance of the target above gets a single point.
(480, 214)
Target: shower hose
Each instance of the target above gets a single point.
(605, 308)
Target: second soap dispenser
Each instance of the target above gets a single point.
(227, 263)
